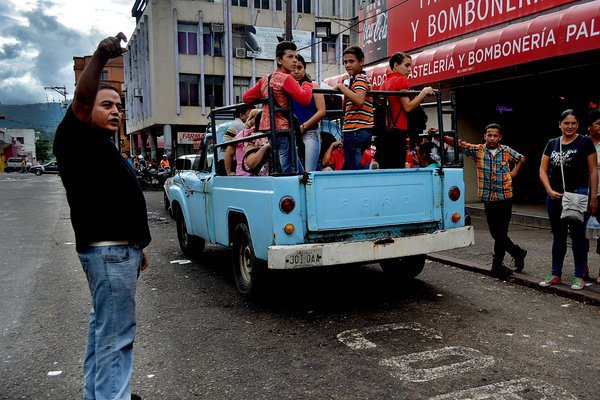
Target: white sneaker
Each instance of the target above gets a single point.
(577, 283)
(374, 165)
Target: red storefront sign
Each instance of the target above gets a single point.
(418, 23)
(569, 31)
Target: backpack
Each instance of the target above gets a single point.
(384, 121)
(416, 123)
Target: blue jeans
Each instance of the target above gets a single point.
(312, 148)
(283, 149)
(355, 144)
(560, 229)
(112, 273)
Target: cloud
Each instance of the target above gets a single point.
(10, 50)
(37, 49)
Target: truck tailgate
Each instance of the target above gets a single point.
(356, 199)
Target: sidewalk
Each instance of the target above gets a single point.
(529, 229)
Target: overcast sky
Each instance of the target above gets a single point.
(39, 38)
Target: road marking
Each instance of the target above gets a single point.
(406, 367)
(510, 390)
(356, 340)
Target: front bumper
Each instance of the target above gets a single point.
(364, 251)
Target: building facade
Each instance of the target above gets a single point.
(185, 56)
(17, 143)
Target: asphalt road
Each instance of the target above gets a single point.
(341, 333)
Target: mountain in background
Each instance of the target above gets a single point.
(42, 117)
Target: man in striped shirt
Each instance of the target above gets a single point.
(494, 189)
(358, 108)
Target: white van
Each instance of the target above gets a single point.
(13, 164)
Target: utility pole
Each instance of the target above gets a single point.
(288, 20)
(62, 90)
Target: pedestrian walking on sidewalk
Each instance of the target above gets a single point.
(110, 249)
(577, 155)
(494, 189)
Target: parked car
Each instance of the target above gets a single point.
(183, 163)
(13, 164)
(48, 168)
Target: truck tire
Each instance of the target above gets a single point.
(192, 246)
(248, 272)
(403, 268)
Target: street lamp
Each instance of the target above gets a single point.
(322, 29)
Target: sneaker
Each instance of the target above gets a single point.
(550, 280)
(374, 165)
(577, 283)
(520, 261)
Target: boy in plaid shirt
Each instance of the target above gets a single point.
(494, 189)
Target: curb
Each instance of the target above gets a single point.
(534, 221)
(583, 296)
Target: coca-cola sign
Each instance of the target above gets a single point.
(374, 38)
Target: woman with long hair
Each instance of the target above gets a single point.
(576, 155)
(308, 118)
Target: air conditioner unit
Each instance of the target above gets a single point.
(123, 87)
(240, 52)
(219, 28)
(137, 92)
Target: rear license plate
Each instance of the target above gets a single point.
(303, 258)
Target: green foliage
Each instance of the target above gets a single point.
(43, 148)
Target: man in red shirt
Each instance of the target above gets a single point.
(333, 159)
(283, 85)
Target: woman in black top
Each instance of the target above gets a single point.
(578, 156)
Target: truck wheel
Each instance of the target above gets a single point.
(403, 268)
(192, 246)
(247, 270)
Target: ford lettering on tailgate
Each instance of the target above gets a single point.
(357, 199)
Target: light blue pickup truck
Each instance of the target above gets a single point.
(392, 217)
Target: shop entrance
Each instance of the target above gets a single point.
(528, 109)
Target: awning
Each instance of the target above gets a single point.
(572, 30)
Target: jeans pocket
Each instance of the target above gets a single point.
(116, 255)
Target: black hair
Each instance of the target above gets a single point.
(103, 85)
(566, 113)
(430, 152)
(593, 116)
(257, 121)
(357, 51)
(301, 60)
(242, 110)
(283, 46)
(494, 125)
(397, 58)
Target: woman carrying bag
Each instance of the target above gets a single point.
(570, 158)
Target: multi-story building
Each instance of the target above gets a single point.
(18, 143)
(114, 75)
(186, 55)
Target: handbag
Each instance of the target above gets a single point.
(574, 205)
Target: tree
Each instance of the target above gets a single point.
(43, 148)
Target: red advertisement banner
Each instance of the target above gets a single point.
(417, 23)
(572, 30)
